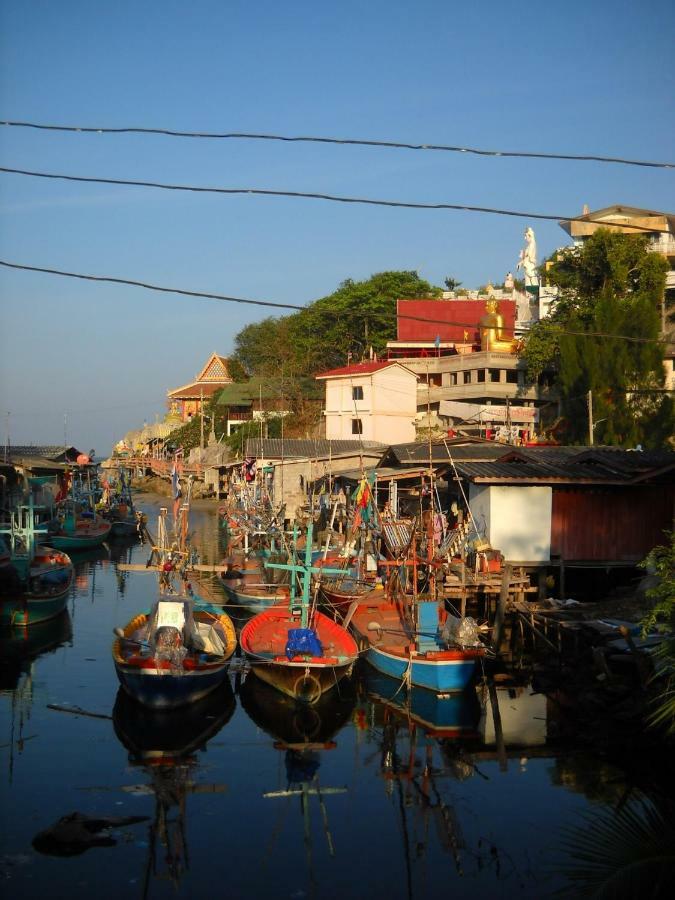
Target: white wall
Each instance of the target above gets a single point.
(387, 411)
(515, 519)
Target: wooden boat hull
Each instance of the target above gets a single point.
(255, 601)
(296, 724)
(155, 683)
(305, 678)
(449, 671)
(388, 648)
(81, 539)
(123, 527)
(43, 593)
(340, 596)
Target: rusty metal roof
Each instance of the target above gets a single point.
(571, 465)
(273, 448)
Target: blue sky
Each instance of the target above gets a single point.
(580, 77)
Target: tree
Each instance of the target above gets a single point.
(355, 317)
(610, 289)
(452, 283)
(189, 435)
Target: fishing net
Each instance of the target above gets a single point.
(169, 646)
(461, 632)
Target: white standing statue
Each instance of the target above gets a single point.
(528, 259)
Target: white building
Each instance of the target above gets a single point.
(376, 400)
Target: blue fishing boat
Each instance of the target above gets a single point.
(76, 528)
(407, 639)
(35, 579)
(178, 652)
(175, 654)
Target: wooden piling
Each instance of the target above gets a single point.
(500, 612)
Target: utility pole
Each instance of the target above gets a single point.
(590, 418)
(201, 414)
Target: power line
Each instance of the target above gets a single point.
(225, 297)
(311, 195)
(356, 142)
(150, 287)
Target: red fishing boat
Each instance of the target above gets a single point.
(295, 648)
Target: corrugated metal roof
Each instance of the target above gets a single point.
(416, 453)
(572, 465)
(43, 451)
(306, 448)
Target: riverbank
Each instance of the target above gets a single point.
(161, 487)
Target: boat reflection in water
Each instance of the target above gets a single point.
(20, 647)
(303, 733)
(449, 716)
(19, 650)
(165, 743)
(425, 740)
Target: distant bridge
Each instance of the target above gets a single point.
(147, 465)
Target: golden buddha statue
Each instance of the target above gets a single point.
(491, 329)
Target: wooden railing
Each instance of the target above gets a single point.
(161, 467)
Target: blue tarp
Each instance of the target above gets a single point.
(303, 640)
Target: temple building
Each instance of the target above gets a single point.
(186, 401)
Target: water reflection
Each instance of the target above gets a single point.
(303, 733)
(20, 648)
(165, 745)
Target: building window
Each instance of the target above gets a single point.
(481, 376)
(494, 374)
(467, 378)
(453, 378)
(357, 426)
(512, 376)
(357, 393)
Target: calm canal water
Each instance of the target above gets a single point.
(361, 797)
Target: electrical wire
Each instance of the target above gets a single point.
(312, 195)
(229, 299)
(355, 142)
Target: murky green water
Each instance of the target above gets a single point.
(364, 796)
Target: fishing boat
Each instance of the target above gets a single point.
(295, 648)
(175, 654)
(117, 507)
(178, 652)
(76, 528)
(35, 579)
(415, 641)
(358, 561)
(248, 586)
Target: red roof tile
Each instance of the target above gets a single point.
(364, 368)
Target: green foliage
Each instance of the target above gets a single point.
(188, 436)
(237, 371)
(271, 428)
(625, 853)
(614, 286)
(451, 283)
(661, 563)
(358, 315)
